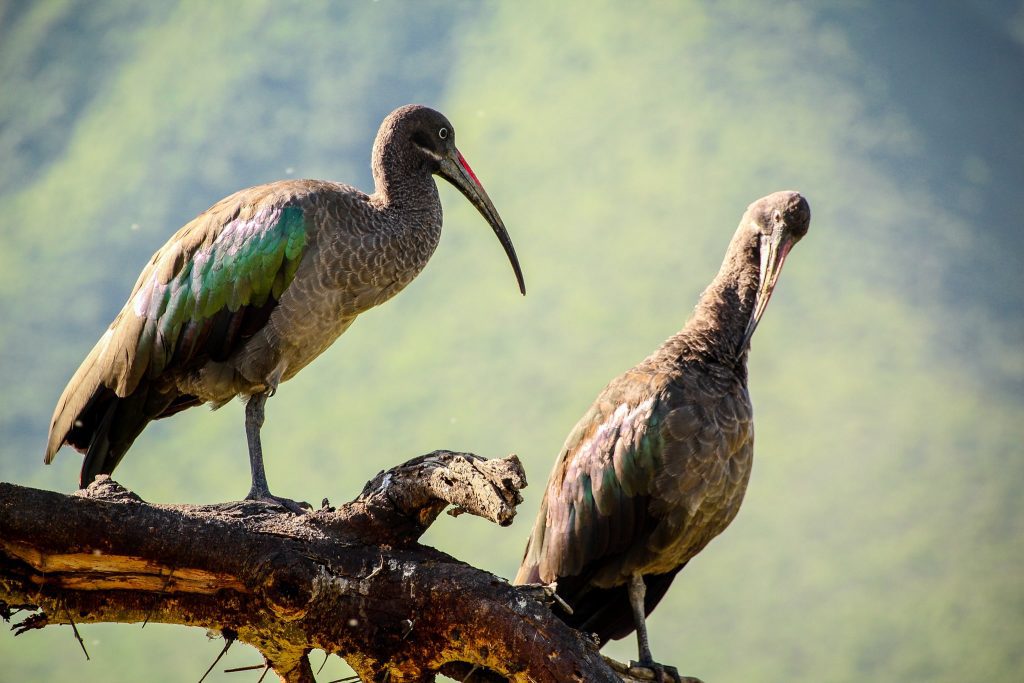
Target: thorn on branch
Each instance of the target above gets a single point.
(161, 594)
(229, 640)
(546, 594)
(472, 673)
(78, 635)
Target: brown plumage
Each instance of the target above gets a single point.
(658, 466)
(253, 289)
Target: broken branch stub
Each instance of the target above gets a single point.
(408, 498)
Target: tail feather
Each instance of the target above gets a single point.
(79, 396)
(119, 423)
(93, 419)
(98, 451)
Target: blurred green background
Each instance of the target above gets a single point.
(882, 537)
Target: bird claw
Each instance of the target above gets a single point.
(659, 671)
(293, 506)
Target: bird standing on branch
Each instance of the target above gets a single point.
(658, 466)
(257, 286)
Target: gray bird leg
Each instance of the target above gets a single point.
(260, 490)
(254, 416)
(637, 591)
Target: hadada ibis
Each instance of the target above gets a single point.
(658, 466)
(257, 286)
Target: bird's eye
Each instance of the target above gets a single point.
(443, 133)
(777, 216)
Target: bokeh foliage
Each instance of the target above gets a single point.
(882, 532)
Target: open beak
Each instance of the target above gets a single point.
(773, 256)
(456, 170)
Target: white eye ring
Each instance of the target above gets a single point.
(443, 133)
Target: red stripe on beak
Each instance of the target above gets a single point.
(467, 169)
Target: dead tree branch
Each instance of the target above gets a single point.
(353, 581)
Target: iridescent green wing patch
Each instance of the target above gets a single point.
(213, 286)
(596, 501)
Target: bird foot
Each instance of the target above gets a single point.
(545, 593)
(661, 672)
(293, 506)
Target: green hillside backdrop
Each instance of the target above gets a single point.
(882, 537)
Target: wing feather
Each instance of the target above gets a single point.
(209, 283)
(595, 502)
(214, 283)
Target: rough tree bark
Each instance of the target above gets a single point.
(353, 581)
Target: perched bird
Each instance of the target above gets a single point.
(257, 286)
(658, 466)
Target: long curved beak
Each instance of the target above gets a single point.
(773, 255)
(455, 169)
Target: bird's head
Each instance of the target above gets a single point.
(429, 138)
(775, 223)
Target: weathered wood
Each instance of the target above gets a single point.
(352, 581)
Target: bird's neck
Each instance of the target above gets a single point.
(403, 185)
(716, 329)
